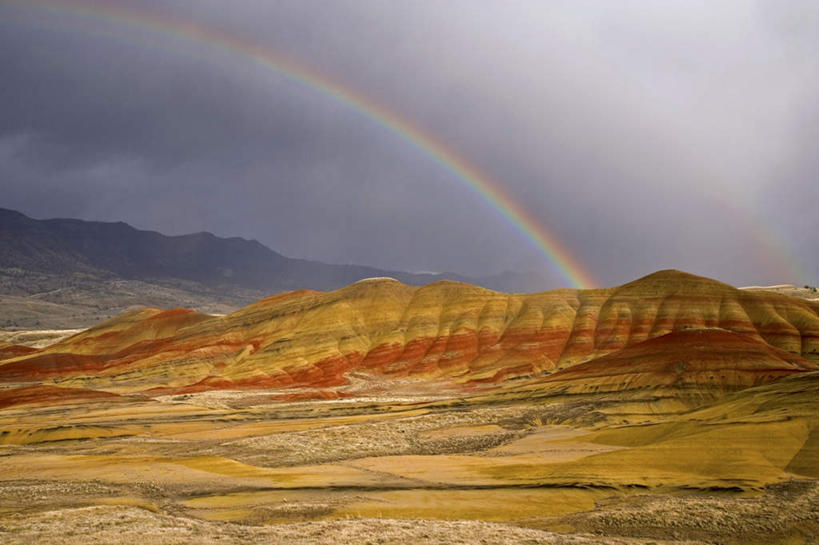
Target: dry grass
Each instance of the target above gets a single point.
(294, 473)
(786, 513)
(132, 526)
(412, 435)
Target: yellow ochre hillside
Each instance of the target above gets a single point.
(451, 334)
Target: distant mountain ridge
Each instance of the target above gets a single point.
(69, 245)
(78, 258)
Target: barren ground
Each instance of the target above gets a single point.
(237, 468)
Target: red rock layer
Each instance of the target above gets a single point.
(14, 350)
(49, 395)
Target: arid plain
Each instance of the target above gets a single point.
(673, 409)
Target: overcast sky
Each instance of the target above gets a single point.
(643, 135)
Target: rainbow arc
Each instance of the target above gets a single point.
(489, 190)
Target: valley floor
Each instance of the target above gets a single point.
(238, 467)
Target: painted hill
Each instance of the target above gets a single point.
(668, 327)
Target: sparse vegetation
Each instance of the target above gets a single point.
(219, 475)
(49, 301)
(131, 526)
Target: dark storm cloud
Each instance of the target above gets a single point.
(643, 136)
(83, 98)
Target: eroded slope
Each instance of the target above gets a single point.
(378, 329)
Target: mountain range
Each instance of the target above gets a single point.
(70, 273)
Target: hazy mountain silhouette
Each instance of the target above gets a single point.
(81, 259)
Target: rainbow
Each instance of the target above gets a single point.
(490, 191)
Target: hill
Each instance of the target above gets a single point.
(466, 337)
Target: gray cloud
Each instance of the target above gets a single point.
(642, 135)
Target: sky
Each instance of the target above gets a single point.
(640, 135)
